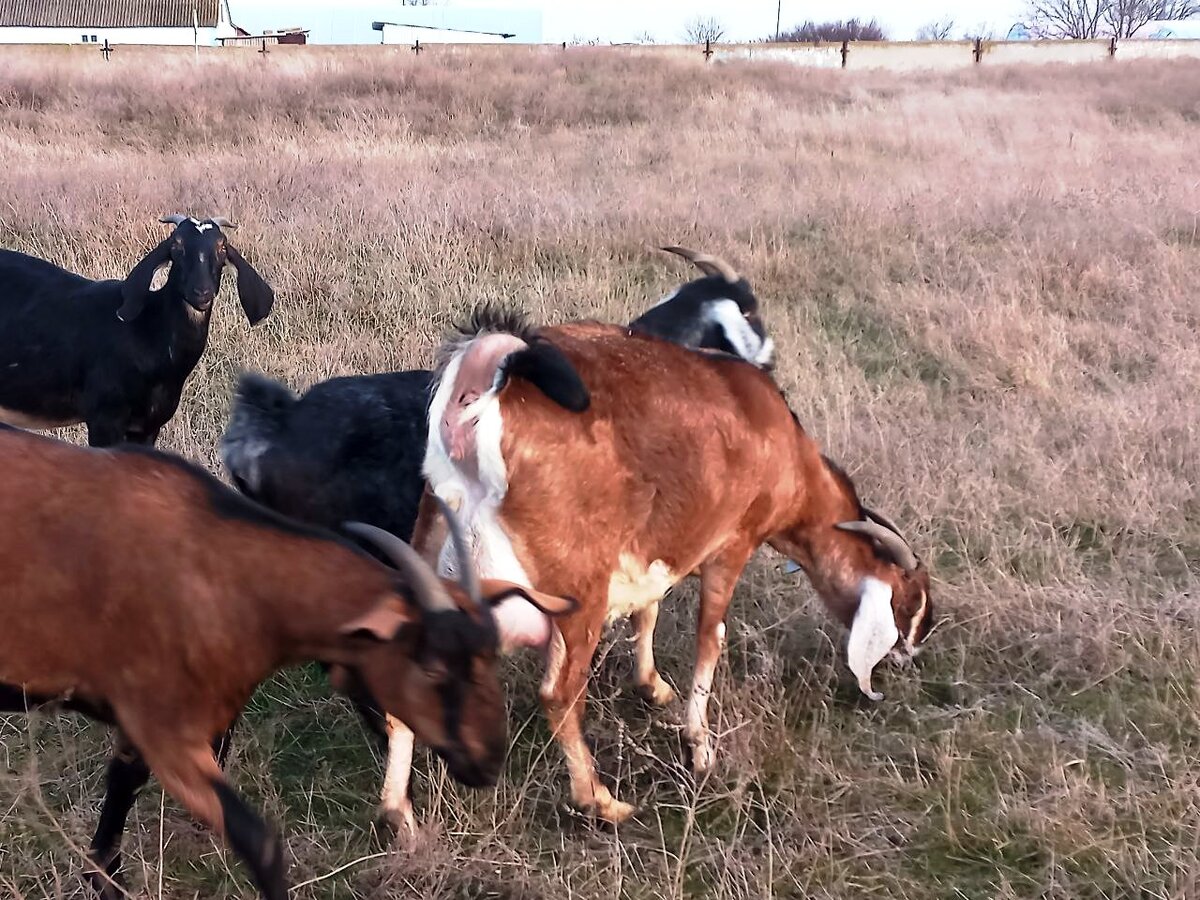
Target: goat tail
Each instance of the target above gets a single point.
(260, 407)
(545, 367)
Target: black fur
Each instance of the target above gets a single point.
(256, 842)
(544, 366)
(684, 318)
(349, 449)
(114, 354)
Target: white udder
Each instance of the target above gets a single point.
(25, 420)
(636, 586)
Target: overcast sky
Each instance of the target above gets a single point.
(349, 21)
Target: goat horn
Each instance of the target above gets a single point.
(709, 265)
(882, 520)
(430, 593)
(897, 548)
(467, 576)
(172, 220)
(222, 222)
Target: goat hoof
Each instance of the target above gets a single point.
(399, 824)
(702, 756)
(111, 887)
(657, 693)
(612, 811)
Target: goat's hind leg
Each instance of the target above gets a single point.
(395, 806)
(650, 684)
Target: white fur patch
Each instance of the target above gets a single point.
(478, 500)
(201, 226)
(635, 586)
(749, 346)
(18, 419)
(873, 633)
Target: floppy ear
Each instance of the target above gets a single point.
(135, 289)
(495, 592)
(872, 634)
(256, 295)
(382, 623)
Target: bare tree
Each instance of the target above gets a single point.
(850, 30)
(702, 29)
(937, 30)
(1078, 19)
(1124, 18)
(982, 31)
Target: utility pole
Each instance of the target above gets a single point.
(778, 12)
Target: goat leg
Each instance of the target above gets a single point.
(127, 775)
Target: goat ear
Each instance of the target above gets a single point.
(495, 592)
(872, 634)
(135, 289)
(382, 623)
(256, 295)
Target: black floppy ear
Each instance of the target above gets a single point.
(135, 289)
(256, 295)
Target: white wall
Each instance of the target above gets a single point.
(115, 36)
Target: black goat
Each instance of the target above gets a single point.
(351, 448)
(114, 354)
(719, 312)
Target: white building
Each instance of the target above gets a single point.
(180, 22)
(1166, 29)
(465, 24)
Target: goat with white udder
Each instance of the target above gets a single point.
(139, 590)
(115, 355)
(681, 462)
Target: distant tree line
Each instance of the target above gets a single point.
(849, 30)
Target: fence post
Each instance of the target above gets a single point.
(845, 52)
(708, 50)
(978, 50)
(263, 51)
(417, 48)
(1112, 47)
(107, 50)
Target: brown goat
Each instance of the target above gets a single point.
(139, 590)
(683, 462)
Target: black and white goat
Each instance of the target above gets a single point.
(718, 311)
(114, 355)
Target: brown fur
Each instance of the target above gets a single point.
(693, 459)
(140, 589)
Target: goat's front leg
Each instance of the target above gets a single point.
(395, 806)
(190, 774)
(718, 576)
(564, 697)
(127, 775)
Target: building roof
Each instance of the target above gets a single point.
(108, 13)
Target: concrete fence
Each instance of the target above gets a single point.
(912, 55)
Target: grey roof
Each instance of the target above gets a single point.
(108, 13)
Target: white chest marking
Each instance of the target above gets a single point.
(635, 586)
(24, 420)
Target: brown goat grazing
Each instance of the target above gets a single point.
(139, 590)
(683, 462)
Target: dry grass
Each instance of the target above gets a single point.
(983, 289)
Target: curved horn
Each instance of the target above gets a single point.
(709, 265)
(882, 520)
(222, 222)
(172, 220)
(430, 592)
(467, 576)
(897, 548)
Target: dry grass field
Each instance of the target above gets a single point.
(984, 292)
